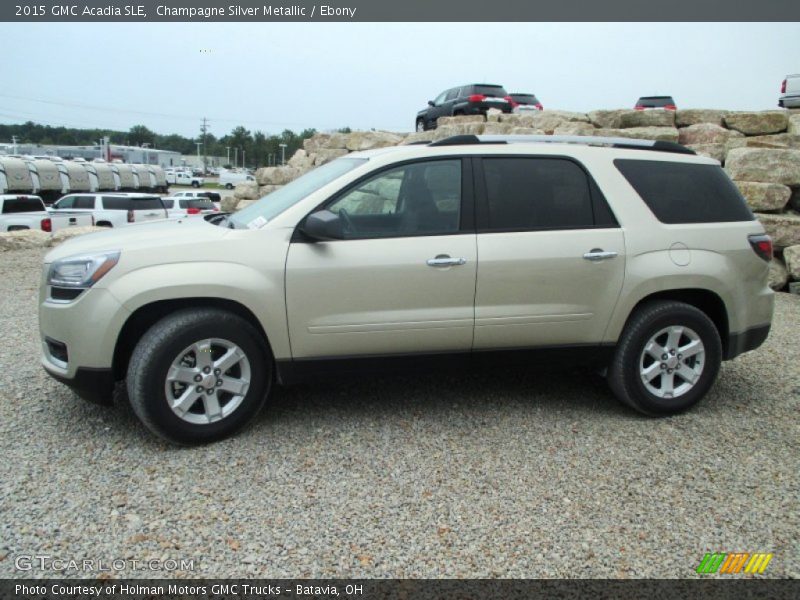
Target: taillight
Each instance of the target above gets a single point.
(670, 107)
(783, 87)
(638, 107)
(476, 98)
(511, 102)
(762, 245)
(192, 211)
(47, 225)
(539, 106)
(131, 217)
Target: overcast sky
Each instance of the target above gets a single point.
(270, 77)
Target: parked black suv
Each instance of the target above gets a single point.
(471, 99)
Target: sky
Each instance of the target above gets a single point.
(276, 76)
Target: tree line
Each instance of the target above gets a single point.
(258, 148)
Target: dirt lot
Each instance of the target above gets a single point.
(517, 473)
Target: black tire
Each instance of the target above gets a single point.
(228, 186)
(164, 342)
(195, 184)
(624, 373)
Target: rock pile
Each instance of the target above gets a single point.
(33, 238)
(759, 150)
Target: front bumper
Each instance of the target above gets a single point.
(93, 385)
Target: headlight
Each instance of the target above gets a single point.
(81, 271)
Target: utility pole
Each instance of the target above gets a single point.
(283, 153)
(228, 148)
(204, 129)
(14, 142)
(198, 144)
(236, 157)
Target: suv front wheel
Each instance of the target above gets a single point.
(667, 358)
(199, 375)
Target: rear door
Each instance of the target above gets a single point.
(552, 257)
(403, 279)
(150, 208)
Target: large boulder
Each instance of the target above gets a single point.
(24, 239)
(419, 136)
(499, 128)
(546, 120)
(246, 190)
(71, 232)
(779, 140)
(526, 131)
(367, 140)
(276, 176)
(715, 151)
(244, 204)
(228, 203)
(764, 196)
(791, 257)
(316, 142)
(647, 118)
(302, 160)
(493, 115)
(666, 134)
(783, 229)
(692, 116)
(757, 123)
(268, 189)
(764, 165)
(705, 133)
(459, 120)
(778, 275)
(460, 129)
(607, 119)
(794, 124)
(574, 128)
(326, 155)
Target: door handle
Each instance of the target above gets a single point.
(596, 254)
(443, 260)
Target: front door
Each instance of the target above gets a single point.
(552, 257)
(403, 279)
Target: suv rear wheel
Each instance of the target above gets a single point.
(199, 375)
(667, 358)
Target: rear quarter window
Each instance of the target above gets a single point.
(679, 193)
(18, 205)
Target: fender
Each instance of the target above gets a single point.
(640, 283)
(232, 281)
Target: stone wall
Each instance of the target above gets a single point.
(759, 150)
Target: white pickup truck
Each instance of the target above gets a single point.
(18, 212)
(184, 178)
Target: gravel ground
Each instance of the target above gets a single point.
(491, 474)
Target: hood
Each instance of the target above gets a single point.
(159, 234)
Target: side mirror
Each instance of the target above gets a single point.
(323, 225)
(431, 103)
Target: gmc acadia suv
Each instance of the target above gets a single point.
(634, 256)
(473, 99)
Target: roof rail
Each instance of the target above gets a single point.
(587, 140)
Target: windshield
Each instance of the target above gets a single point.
(271, 205)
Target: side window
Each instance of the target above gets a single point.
(440, 98)
(65, 202)
(452, 94)
(416, 199)
(116, 203)
(168, 203)
(536, 193)
(84, 202)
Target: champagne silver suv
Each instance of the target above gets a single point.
(636, 257)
